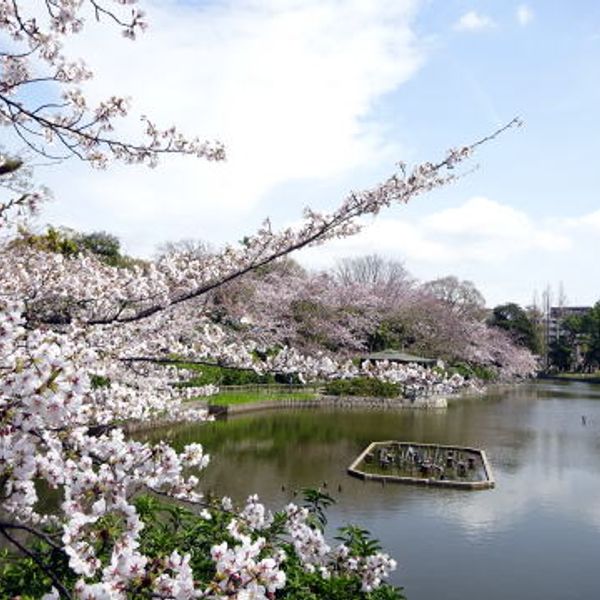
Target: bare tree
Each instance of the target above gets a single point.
(562, 299)
(372, 270)
(193, 248)
(461, 296)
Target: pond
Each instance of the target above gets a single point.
(535, 536)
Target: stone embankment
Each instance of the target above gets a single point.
(322, 401)
(341, 402)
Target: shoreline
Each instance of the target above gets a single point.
(325, 401)
(577, 379)
(435, 402)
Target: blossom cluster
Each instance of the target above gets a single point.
(317, 555)
(51, 421)
(20, 198)
(417, 380)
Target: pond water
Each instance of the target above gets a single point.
(536, 536)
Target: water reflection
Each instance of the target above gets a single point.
(537, 535)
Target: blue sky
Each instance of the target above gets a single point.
(317, 97)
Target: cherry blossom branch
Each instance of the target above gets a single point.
(173, 143)
(84, 138)
(179, 361)
(21, 527)
(399, 188)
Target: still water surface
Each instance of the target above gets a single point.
(536, 536)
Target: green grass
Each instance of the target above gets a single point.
(247, 397)
(594, 376)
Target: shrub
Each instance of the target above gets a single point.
(169, 527)
(215, 375)
(469, 371)
(363, 386)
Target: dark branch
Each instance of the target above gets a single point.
(62, 590)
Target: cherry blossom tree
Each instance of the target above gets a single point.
(83, 348)
(365, 306)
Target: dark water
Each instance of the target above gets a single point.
(536, 536)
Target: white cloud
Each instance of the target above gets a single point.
(288, 86)
(479, 231)
(590, 221)
(524, 15)
(473, 21)
(507, 252)
(486, 217)
(486, 229)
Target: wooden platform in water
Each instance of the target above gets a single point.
(424, 464)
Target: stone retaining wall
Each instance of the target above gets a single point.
(341, 402)
(357, 402)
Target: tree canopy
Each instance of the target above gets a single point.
(522, 329)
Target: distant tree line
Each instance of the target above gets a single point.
(68, 242)
(523, 325)
(577, 346)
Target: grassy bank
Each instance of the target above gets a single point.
(229, 397)
(585, 377)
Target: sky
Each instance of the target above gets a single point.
(315, 98)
